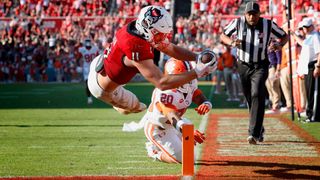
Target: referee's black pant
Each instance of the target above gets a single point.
(313, 96)
(253, 78)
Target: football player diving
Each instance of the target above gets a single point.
(131, 52)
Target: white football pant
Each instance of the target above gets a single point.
(121, 99)
(167, 140)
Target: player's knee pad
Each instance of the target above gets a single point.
(125, 99)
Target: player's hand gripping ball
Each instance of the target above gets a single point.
(207, 56)
(206, 63)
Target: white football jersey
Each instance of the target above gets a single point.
(172, 98)
(87, 57)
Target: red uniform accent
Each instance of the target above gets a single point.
(196, 93)
(129, 45)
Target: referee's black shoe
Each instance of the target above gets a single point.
(261, 138)
(252, 140)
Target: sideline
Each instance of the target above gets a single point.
(202, 128)
(288, 150)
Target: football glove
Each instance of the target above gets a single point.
(204, 108)
(198, 137)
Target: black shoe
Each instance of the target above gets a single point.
(261, 138)
(252, 140)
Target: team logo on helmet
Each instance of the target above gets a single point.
(151, 17)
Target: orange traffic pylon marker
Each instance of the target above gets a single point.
(187, 150)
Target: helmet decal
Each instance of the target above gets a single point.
(151, 17)
(154, 23)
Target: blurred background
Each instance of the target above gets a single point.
(40, 39)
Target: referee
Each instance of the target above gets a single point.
(251, 35)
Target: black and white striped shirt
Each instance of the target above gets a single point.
(255, 40)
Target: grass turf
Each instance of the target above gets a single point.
(49, 130)
(52, 142)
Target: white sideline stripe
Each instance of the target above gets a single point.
(129, 168)
(76, 146)
(202, 128)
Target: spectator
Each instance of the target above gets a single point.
(228, 62)
(219, 75)
(86, 54)
(311, 63)
(273, 81)
(300, 33)
(285, 82)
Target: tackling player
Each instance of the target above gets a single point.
(164, 118)
(86, 54)
(132, 52)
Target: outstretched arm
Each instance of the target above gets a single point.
(172, 115)
(178, 52)
(163, 82)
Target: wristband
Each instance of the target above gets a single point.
(181, 122)
(208, 103)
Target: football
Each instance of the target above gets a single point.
(207, 56)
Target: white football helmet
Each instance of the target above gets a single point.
(174, 66)
(154, 20)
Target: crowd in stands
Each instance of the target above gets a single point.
(30, 52)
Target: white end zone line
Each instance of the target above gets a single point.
(202, 128)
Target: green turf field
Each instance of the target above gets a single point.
(49, 130)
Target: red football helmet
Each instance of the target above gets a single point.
(174, 66)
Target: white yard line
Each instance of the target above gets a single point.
(202, 128)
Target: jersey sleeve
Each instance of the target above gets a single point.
(276, 31)
(231, 28)
(196, 93)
